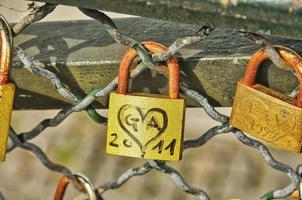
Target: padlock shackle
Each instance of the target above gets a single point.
(153, 47)
(6, 46)
(84, 183)
(288, 55)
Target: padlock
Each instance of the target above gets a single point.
(7, 90)
(146, 125)
(266, 113)
(296, 195)
(84, 183)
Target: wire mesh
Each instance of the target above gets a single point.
(21, 140)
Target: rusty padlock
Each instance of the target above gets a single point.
(146, 125)
(266, 113)
(7, 90)
(83, 182)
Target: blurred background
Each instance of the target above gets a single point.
(224, 168)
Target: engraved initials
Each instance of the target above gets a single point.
(142, 128)
(271, 123)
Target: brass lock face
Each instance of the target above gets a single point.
(265, 113)
(267, 117)
(7, 90)
(146, 125)
(296, 195)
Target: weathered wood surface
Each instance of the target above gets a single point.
(85, 57)
(280, 17)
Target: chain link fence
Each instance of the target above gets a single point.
(21, 140)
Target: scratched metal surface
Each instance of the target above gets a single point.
(6, 101)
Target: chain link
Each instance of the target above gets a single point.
(79, 104)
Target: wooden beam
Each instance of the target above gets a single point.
(85, 57)
(275, 16)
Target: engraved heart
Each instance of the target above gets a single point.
(142, 128)
(284, 120)
(283, 117)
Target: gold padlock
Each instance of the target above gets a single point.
(7, 90)
(145, 125)
(296, 195)
(265, 113)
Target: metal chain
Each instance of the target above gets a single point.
(79, 104)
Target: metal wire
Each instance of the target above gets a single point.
(39, 14)
(1, 197)
(21, 140)
(39, 154)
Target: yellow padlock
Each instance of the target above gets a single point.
(296, 195)
(7, 90)
(145, 125)
(265, 113)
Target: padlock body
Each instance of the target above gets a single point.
(149, 127)
(7, 92)
(296, 195)
(268, 115)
